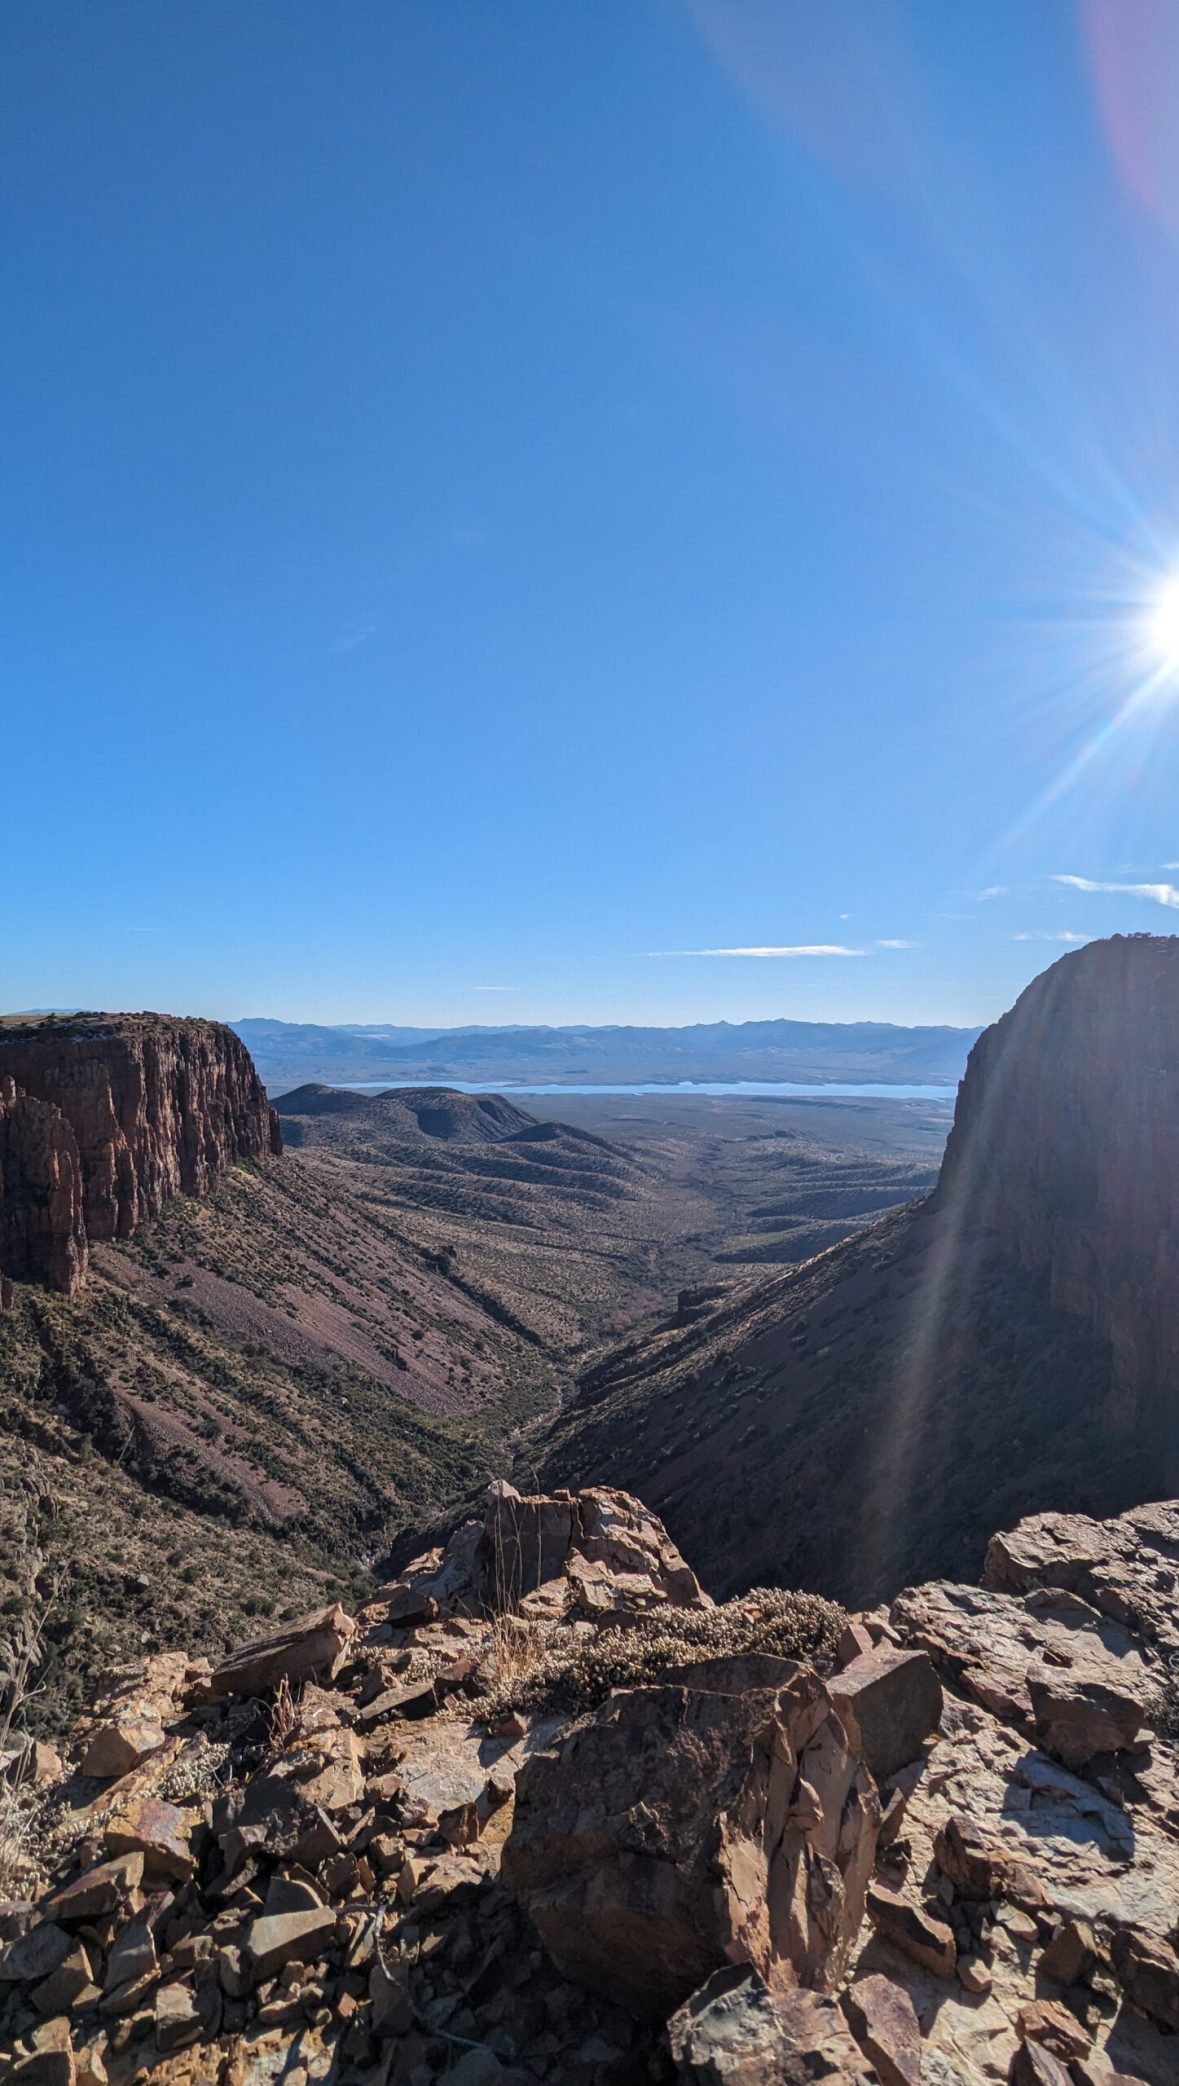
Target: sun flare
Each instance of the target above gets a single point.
(1163, 625)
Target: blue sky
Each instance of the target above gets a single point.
(498, 497)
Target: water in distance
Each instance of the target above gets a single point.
(779, 1089)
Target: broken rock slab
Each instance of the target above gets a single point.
(890, 1702)
(884, 2021)
(735, 2032)
(707, 1827)
(311, 1649)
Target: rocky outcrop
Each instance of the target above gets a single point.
(1065, 1153)
(103, 1118)
(380, 1874)
(598, 1552)
(715, 1823)
(42, 1234)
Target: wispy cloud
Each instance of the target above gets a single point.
(1158, 894)
(1050, 934)
(495, 988)
(895, 941)
(995, 891)
(358, 635)
(793, 949)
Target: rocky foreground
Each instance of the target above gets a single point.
(542, 1812)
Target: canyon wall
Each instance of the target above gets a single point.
(1065, 1152)
(42, 1235)
(104, 1118)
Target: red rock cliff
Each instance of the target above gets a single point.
(42, 1236)
(1065, 1146)
(155, 1107)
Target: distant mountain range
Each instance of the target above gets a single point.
(290, 1054)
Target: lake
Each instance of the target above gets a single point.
(764, 1089)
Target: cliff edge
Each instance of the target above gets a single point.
(103, 1118)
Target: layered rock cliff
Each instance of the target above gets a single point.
(42, 1236)
(117, 1112)
(1065, 1152)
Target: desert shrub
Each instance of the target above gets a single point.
(574, 1671)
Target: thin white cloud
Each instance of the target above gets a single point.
(895, 941)
(794, 949)
(1050, 934)
(995, 891)
(495, 988)
(1158, 894)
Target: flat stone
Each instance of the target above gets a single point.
(889, 1701)
(1148, 1971)
(973, 1975)
(1079, 1715)
(132, 1956)
(1034, 2065)
(735, 2032)
(290, 1937)
(60, 1992)
(52, 2060)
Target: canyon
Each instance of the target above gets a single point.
(525, 1599)
(1004, 1344)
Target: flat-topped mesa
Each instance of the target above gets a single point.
(152, 1107)
(1065, 1149)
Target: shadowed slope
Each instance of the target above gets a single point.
(1006, 1345)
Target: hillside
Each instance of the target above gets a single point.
(582, 1231)
(1004, 1345)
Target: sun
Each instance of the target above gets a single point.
(1162, 628)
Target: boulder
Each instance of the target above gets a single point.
(1034, 2065)
(51, 2062)
(1071, 1954)
(311, 1649)
(177, 2019)
(1078, 1715)
(157, 1830)
(290, 1937)
(913, 1932)
(736, 2032)
(35, 1954)
(98, 1891)
(1044, 2021)
(1147, 1970)
(118, 1746)
(884, 2022)
(890, 1702)
(980, 1868)
(704, 1827)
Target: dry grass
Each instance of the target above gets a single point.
(568, 1672)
